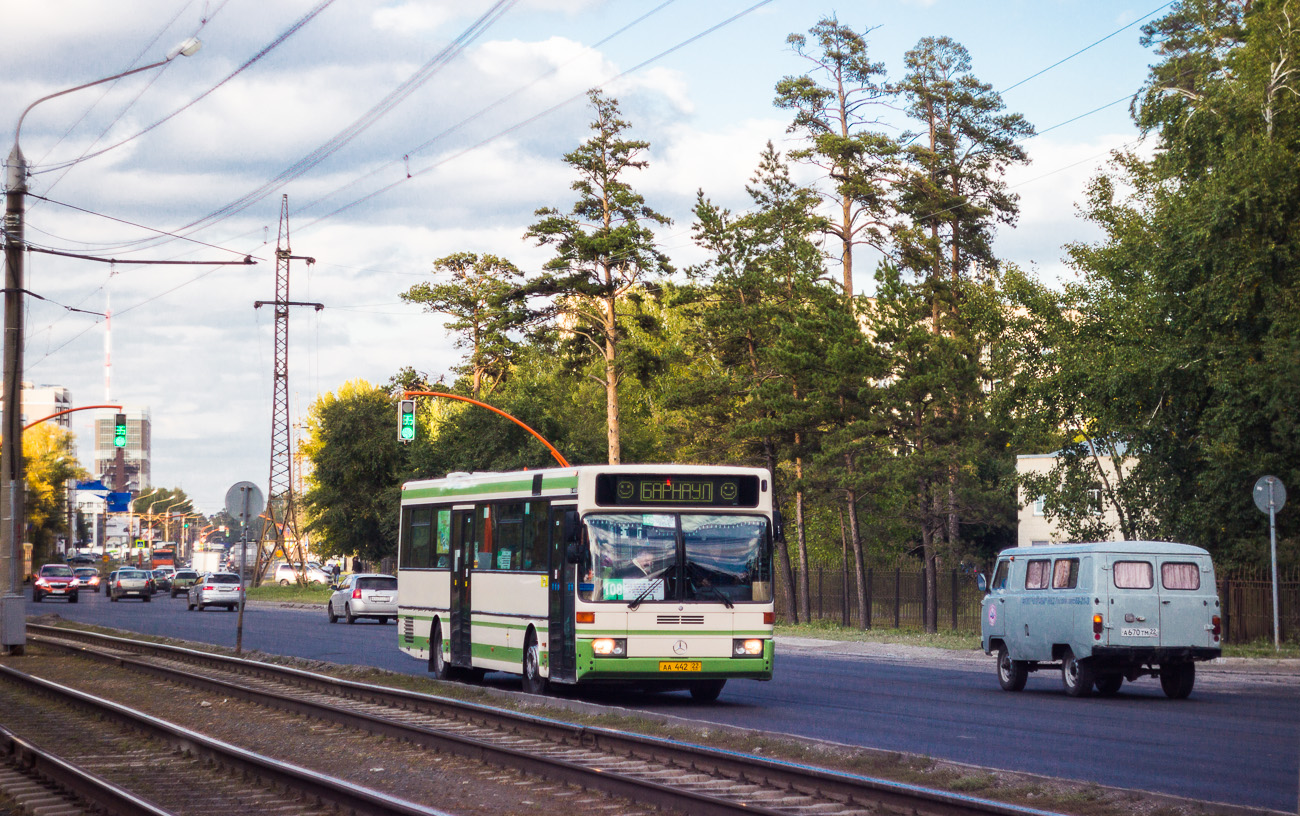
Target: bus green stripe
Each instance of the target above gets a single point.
(513, 486)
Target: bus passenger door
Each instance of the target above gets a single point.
(561, 649)
(462, 550)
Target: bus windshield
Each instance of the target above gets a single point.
(677, 557)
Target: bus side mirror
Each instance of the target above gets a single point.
(573, 550)
(778, 526)
(981, 583)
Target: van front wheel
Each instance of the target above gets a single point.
(1011, 673)
(1177, 679)
(1076, 675)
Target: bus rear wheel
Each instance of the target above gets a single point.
(533, 682)
(438, 665)
(706, 691)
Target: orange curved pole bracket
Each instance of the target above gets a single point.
(69, 411)
(563, 462)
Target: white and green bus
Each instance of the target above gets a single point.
(658, 576)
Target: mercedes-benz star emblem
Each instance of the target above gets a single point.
(679, 647)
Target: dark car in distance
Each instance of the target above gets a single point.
(55, 581)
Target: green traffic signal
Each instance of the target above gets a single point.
(406, 420)
(119, 431)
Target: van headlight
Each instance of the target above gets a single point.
(609, 647)
(747, 647)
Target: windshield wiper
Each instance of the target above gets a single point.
(645, 593)
(719, 593)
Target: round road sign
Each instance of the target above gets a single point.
(1269, 490)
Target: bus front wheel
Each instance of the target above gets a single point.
(706, 691)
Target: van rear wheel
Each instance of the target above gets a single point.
(1177, 679)
(1076, 675)
(1012, 674)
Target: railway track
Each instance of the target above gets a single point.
(649, 771)
(108, 756)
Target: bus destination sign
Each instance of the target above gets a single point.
(656, 490)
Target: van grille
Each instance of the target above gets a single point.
(678, 619)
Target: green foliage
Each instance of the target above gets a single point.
(485, 313)
(1186, 341)
(604, 255)
(357, 469)
(50, 460)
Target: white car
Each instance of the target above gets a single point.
(214, 589)
(364, 595)
(286, 574)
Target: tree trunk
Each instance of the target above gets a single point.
(785, 577)
(859, 556)
(805, 606)
(611, 384)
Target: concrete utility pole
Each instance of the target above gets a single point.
(13, 517)
(279, 494)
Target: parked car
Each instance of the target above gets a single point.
(182, 580)
(162, 579)
(1103, 613)
(364, 595)
(214, 589)
(286, 574)
(87, 578)
(55, 581)
(129, 582)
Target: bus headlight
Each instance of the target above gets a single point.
(609, 647)
(747, 647)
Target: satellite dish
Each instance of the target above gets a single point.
(244, 501)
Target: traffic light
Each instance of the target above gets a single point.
(406, 420)
(119, 431)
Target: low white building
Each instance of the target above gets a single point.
(1033, 527)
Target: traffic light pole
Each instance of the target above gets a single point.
(444, 395)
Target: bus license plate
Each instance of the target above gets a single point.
(680, 665)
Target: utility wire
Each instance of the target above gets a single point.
(535, 117)
(1086, 47)
(304, 20)
(343, 137)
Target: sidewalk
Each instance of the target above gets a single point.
(975, 659)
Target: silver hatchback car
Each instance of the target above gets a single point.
(364, 595)
(214, 589)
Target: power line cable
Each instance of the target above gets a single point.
(1087, 47)
(537, 116)
(302, 21)
(395, 97)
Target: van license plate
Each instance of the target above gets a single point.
(1141, 633)
(680, 665)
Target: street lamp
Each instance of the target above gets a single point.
(13, 517)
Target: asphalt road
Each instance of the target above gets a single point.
(1235, 740)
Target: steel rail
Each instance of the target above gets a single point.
(639, 790)
(92, 788)
(347, 795)
(837, 785)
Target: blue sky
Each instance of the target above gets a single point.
(187, 343)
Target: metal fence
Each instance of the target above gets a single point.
(896, 598)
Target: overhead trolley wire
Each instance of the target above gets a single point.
(535, 117)
(343, 137)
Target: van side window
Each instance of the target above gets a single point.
(1133, 575)
(1180, 576)
(1065, 573)
(1000, 577)
(1036, 573)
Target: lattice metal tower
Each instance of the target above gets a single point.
(279, 524)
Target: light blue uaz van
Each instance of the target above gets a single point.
(1103, 612)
